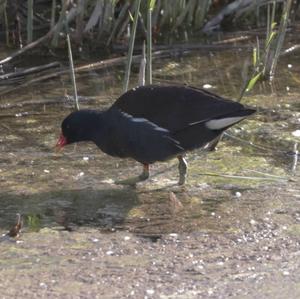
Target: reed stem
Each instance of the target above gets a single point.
(143, 67)
(53, 13)
(281, 35)
(60, 23)
(72, 72)
(131, 44)
(151, 5)
(6, 23)
(29, 21)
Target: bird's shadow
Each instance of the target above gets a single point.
(79, 207)
(108, 209)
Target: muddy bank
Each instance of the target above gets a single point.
(233, 231)
(255, 256)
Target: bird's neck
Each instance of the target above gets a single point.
(97, 127)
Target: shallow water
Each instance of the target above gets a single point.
(257, 206)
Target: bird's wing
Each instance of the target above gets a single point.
(139, 138)
(174, 107)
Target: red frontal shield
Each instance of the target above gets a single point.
(62, 141)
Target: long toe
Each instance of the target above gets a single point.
(133, 181)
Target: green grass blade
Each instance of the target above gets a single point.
(253, 81)
(151, 4)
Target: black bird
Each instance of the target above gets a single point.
(154, 123)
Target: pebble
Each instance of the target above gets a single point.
(150, 292)
(173, 235)
(43, 285)
(207, 86)
(238, 194)
(296, 133)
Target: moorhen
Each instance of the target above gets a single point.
(154, 123)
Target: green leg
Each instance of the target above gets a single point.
(132, 181)
(213, 144)
(182, 167)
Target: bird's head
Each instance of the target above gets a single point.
(78, 126)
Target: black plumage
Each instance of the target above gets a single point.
(155, 123)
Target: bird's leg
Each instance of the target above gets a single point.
(213, 144)
(14, 231)
(182, 167)
(142, 177)
(145, 174)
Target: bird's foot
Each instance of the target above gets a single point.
(131, 181)
(181, 181)
(134, 180)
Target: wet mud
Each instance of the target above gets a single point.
(232, 231)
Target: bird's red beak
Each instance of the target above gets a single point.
(62, 141)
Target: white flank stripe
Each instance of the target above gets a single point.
(217, 124)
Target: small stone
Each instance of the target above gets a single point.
(108, 181)
(43, 285)
(173, 235)
(296, 133)
(150, 292)
(238, 194)
(46, 171)
(79, 175)
(207, 86)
